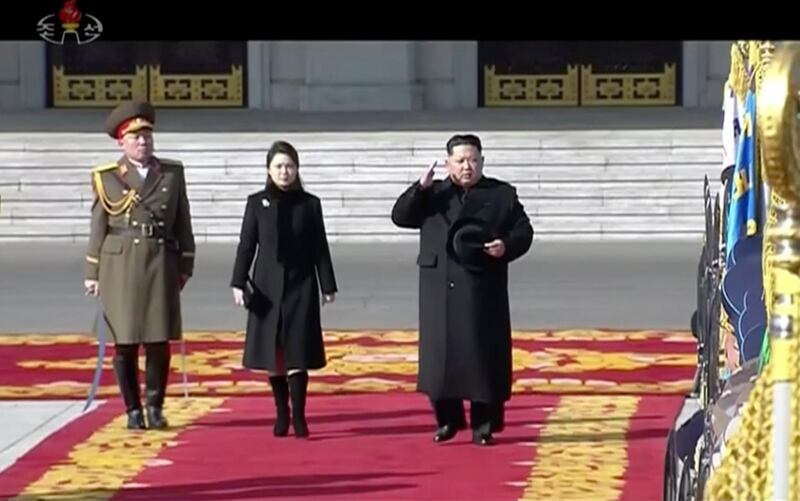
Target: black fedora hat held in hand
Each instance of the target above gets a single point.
(466, 241)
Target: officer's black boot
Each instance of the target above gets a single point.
(126, 370)
(157, 366)
(280, 390)
(298, 386)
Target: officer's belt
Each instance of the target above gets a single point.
(143, 231)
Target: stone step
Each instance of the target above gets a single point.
(661, 215)
(573, 184)
(26, 208)
(645, 155)
(340, 216)
(391, 189)
(380, 164)
(48, 198)
(229, 226)
(368, 141)
(588, 173)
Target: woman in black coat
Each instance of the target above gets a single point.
(284, 223)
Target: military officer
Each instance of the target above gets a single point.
(140, 256)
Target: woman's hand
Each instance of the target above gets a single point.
(238, 296)
(328, 298)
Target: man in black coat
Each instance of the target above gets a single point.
(471, 228)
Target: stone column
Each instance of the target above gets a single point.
(259, 77)
(23, 76)
(692, 77)
(360, 76)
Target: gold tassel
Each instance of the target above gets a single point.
(766, 50)
(737, 79)
(754, 62)
(114, 208)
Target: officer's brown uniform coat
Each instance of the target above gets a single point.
(138, 271)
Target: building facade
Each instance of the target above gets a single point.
(363, 76)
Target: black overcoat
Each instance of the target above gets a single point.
(464, 316)
(285, 232)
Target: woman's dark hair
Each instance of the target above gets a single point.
(287, 149)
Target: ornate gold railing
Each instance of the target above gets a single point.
(197, 89)
(628, 89)
(531, 90)
(97, 90)
(149, 84)
(580, 85)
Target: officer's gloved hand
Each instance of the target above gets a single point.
(182, 281)
(91, 287)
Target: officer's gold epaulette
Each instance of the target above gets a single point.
(105, 167)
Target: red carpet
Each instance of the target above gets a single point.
(588, 422)
(363, 447)
(563, 362)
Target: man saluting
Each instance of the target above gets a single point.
(471, 228)
(140, 255)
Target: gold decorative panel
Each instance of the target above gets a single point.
(628, 89)
(206, 90)
(531, 90)
(97, 90)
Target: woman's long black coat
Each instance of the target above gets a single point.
(293, 263)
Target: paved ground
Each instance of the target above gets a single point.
(26, 423)
(557, 285)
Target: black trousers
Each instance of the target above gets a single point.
(484, 417)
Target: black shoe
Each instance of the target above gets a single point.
(156, 419)
(136, 420)
(445, 433)
(479, 438)
(280, 392)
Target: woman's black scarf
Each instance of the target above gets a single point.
(288, 237)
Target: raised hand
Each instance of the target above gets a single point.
(426, 180)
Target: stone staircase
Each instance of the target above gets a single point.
(626, 184)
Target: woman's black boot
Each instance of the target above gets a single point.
(298, 386)
(280, 390)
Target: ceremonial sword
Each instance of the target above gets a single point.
(101, 354)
